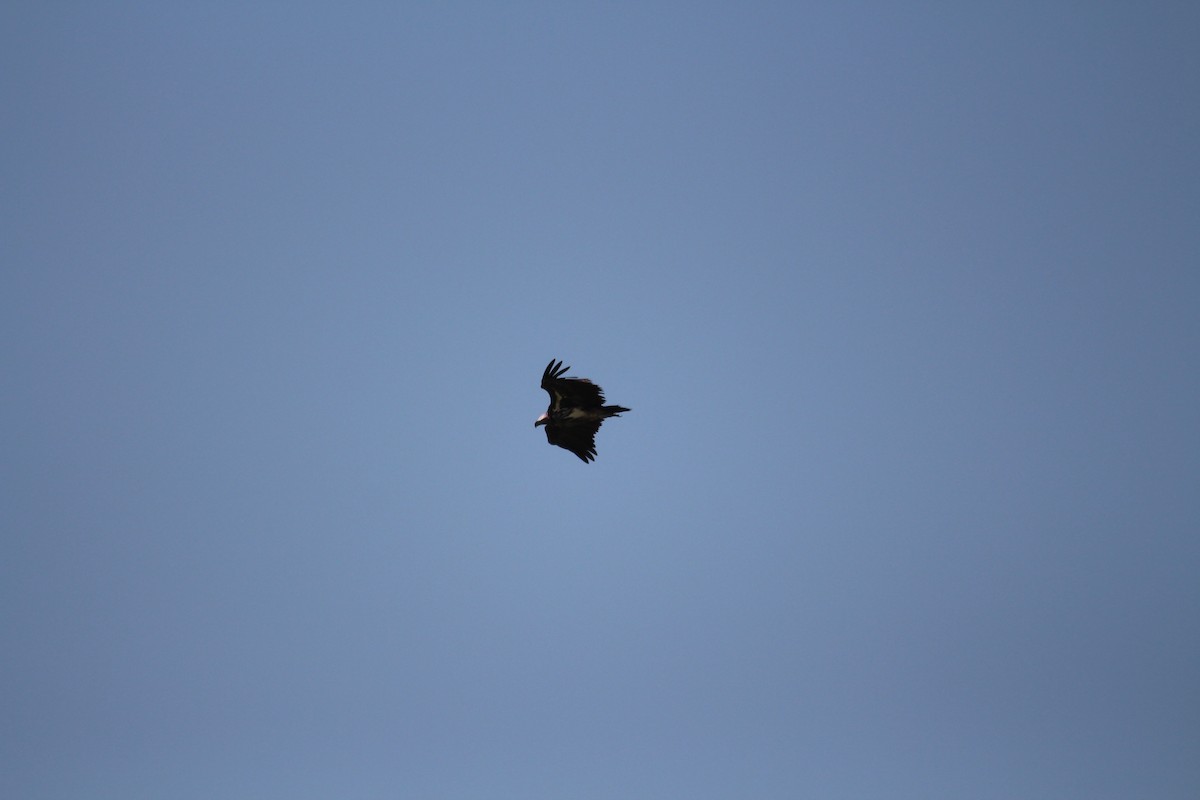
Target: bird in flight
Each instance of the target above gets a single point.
(575, 413)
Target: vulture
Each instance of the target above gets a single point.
(575, 413)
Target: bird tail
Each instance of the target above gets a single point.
(612, 411)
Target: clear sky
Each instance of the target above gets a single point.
(905, 298)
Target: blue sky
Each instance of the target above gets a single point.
(903, 298)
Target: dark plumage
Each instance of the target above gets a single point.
(575, 413)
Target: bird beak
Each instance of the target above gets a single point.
(540, 420)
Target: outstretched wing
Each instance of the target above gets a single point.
(580, 439)
(569, 392)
